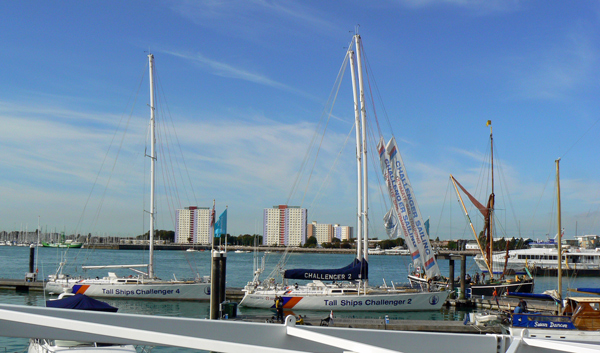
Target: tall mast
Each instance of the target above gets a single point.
(491, 207)
(152, 167)
(359, 254)
(363, 117)
(559, 272)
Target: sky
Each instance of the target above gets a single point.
(245, 88)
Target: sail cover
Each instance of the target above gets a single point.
(80, 302)
(356, 270)
(405, 207)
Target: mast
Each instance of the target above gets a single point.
(491, 207)
(559, 270)
(359, 254)
(365, 193)
(152, 167)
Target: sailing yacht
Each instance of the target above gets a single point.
(501, 284)
(347, 288)
(144, 285)
(577, 321)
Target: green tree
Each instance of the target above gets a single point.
(311, 242)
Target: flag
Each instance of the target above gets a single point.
(212, 216)
(221, 225)
(489, 122)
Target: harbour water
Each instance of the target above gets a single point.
(14, 263)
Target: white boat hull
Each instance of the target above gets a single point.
(163, 290)
(391, 301)
(51, 346)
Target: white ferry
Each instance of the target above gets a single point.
(542, 259)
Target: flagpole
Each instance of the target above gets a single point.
(212, 227)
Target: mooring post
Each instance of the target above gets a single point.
(31, 258)
(451, 275)
(214, 284)
(222, 275)
(463, 273)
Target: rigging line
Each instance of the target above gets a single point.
(167, 163)
(311, 145)
(332, 167)
(442, 211)
(334, 98)
(378, 176)
(101, 203)
(168, 113)
(167, 171)
(80, 222)
(504, 185)
(580, 138)
(367, 70)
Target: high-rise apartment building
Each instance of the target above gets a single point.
(324, 233)
(342, 232)
(284, 225)
(193, 225)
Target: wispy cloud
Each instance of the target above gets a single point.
(558, 71)
(243, 15)
(477, 6)
(226, 70)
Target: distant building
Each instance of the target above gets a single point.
(342, 232)
(588, 241)
(284, 225)
(323, 232)
(472, 245)
(193, 225)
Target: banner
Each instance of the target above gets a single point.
(390, 220)
(406, 207)
(221, 225)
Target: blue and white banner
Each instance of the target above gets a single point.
(407, 209)
(221, 225)
(390, 220)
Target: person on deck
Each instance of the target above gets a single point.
(279, 308)
(522, 306)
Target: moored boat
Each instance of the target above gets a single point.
(345, 288)
(144, 285)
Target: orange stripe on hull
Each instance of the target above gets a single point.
(292, 302)
(82, 289)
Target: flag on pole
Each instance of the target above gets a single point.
(221, 225)
(212, 216)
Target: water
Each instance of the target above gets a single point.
(14, 263)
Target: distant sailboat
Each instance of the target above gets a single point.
(145, 285)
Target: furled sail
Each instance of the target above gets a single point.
(406, 208)
(356, 270)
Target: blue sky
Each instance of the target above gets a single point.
(247, 84)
